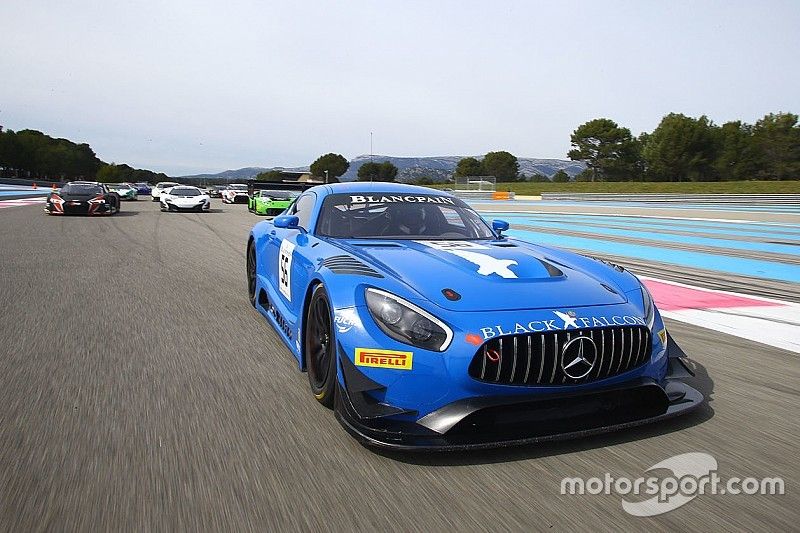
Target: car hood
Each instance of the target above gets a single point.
(486, 275)
(77, 197)
(186, 199)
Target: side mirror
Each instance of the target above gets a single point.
(499, 226)
(287, 222)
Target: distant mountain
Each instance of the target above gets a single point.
(239, 174)
(409, 168)
(442, 167)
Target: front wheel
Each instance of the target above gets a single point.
(319, 345)
(251, 272)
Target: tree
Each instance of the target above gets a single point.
(610, 152)
(335, 164)
(737, 158)
(560, 177)
(270, 175)
(539, 178)
(776, 143)
(469, 166)
(682, 148)
(424, 180)
(10, 150)
(385, 171)
(502, 165)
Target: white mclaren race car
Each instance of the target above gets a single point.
(156, 191)
(184, 198)
(235, 193)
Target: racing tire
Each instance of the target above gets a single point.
(251, 272)
(320, 345)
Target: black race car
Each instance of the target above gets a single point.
(82, 198)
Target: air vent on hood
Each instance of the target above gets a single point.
(345, 264)
(551, 269)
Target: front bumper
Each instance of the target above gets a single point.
(510, 420)
(200, 206)
(79, 208)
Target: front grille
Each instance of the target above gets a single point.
(82, 209)
(535, 359)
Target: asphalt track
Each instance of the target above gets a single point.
(140, 391)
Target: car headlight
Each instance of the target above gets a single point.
(407, 323)
(649, 307)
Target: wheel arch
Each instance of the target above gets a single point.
(301, 318)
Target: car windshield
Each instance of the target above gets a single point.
(81, 188)
(400, 216)
(280, 195)
(184, 191)
(237, 187)
(165, 185)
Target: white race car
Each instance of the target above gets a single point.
(184, 198)
(156, 191)
(235, 193)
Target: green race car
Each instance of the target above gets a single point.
(270, 203)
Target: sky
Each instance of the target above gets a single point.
(196, 86)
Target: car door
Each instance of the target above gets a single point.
(288, 252)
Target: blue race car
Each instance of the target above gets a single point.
(143, 188)
(425, 328)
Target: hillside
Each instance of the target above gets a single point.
(409, 168)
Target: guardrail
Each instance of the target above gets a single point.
(761, 199)
(29, 182)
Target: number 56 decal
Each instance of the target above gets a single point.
(285, 269)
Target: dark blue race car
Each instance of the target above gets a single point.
(425, 328)
(143, 188)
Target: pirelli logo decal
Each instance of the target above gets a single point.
(384, 358)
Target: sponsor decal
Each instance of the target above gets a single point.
(476, 340)
(562, 322)
(397, 198)
(487, 264)
(285, 269)
(376, 358)
(662, 335)
(345, 320)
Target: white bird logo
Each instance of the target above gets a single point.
(488, 264)
(568, 320)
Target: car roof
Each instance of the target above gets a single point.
(375, 186)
